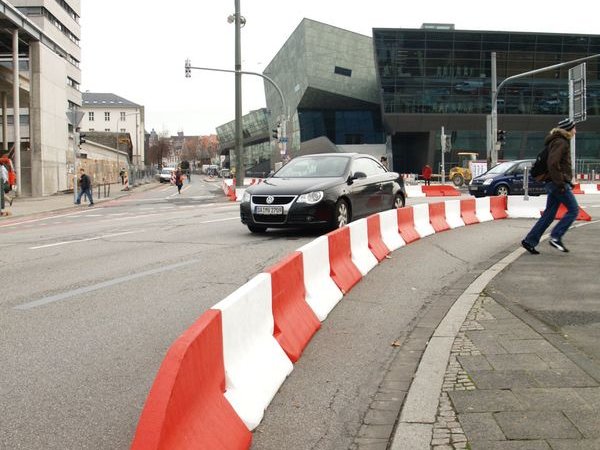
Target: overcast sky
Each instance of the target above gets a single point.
(137, 49)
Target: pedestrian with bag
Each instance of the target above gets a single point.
(557, 177)
(178, 180)
(3, 188)
(85, 188)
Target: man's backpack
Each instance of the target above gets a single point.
(540, 165)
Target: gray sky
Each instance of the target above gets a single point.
(137, 49)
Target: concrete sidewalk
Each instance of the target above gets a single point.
(523, 370)
(25, 206)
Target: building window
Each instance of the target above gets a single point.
(91, 116)
(107, 117)
(107, 129)
(122, 116)
(343, 71)
(91, 129)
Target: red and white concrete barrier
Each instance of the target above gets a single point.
(218, 378)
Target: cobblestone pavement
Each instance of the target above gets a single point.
(506, 387)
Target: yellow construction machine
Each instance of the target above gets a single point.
(461, 174)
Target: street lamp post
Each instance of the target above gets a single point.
(239, 144)
(75, 116)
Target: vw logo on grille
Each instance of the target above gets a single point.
(270, 199)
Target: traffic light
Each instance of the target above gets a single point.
(501, 137)
(188, 68)
(82, 137)
(276, 132)
(447, 143)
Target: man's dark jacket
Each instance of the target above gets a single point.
(559, 158)
(84, 182)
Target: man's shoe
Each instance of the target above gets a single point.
(91, 204)
(530, 248)
(557, 244)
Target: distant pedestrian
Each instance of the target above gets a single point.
(85, 188)
(384, 162)
(189, 175)
(426, 174)
(122, 175)
(558, 187)
(178, 180)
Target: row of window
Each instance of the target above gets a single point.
(91, 117)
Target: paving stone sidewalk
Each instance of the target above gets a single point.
(507, 388)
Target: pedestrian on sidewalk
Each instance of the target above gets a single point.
(558, 186)
(384, 162)
(3, 187)
(178, 180)
(85, 187)
(122, 175)
(426, 174)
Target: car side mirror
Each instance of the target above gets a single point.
(358, 175)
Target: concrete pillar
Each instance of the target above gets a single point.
(4, 121)
(16, 109)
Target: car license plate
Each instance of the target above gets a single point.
(269, 210)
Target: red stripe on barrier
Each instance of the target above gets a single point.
(406, 224)
(437, 217)
(467, 211)
(376, 244)
(449, 191)
(432, 191)
(343, 271)
(185, 408)
(295, 321)
(577, 189)
(498, 207)
(562, 210)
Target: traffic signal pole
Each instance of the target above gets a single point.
(492, 134)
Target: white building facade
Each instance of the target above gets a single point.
(111, 113)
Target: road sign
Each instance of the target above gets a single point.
(74, 116)
(577, 92)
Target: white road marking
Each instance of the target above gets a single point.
(95, 287)
(75, 241)
(221, 220)
(42, 218)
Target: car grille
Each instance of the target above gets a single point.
(277, 199)
(262, 218)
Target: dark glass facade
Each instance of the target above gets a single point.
(428, 71)
(342, 127)
(431, 78)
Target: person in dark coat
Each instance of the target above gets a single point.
(558, 187)
(178, 180)
(85, 188)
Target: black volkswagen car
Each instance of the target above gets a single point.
(325, 190)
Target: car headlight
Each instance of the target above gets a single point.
(246, 197)
(488, 181)
(311, 198)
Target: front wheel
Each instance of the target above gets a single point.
(502, 190)
(341, 215)
(257, 229)
(399, 201)
(458, 180)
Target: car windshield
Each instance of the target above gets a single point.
(167, 171)
(500, 168)
(314, 167)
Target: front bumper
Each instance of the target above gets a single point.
(298, 215)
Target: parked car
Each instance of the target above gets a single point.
(165, 174)
(505, 179)
(325, 190)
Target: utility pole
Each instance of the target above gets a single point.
(239, 143)
(75, 116)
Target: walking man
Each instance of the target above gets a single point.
(85, 188)
(558, 187)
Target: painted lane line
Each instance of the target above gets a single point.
(75, 214)
(56, 244)
(104, 284)
(220, 220)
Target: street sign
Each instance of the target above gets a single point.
(74, 116)
(577, 93)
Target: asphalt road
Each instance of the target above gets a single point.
(92, 300)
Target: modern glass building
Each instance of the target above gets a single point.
(437, 76)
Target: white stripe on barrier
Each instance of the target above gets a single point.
(589, 188)
(414, 191)
(421, 219)
(388, 222)
(482, 209)
(255, 364)
(519, 208)
(322, 294)
(452, 212)
(362, 256)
